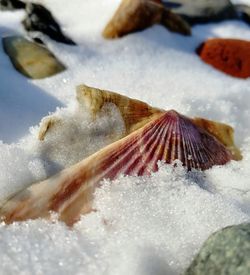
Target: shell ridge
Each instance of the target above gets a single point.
(163, 142)
(173, 139)
(152, 155)
(205, 156)
(184, 145)
(119, 164)
(134, 158)
(127, 148)
(195, 150)
(132, 167)
(141, 166)
(190, 156)
(193, 156)
(148, 136)
(223, 156)
(150, 145)
(192, 146)
(179, 143)
(131, 148)
(167, 151)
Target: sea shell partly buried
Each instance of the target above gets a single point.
(98, 119)
(135, 113)
(167, 138)
(136, 15)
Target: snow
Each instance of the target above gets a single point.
(149, 225)
(142, 226)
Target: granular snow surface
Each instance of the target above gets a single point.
(142, 225)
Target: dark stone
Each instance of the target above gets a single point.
(31, 59)
(202, 11)
(11, 5)
(40, 19)
(225, 252)
(243, 12)
(38, 40)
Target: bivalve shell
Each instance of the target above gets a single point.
(168, 138)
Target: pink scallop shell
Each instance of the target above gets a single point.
(170, 137)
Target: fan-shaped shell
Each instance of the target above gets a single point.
(134, 114)
(167, 138)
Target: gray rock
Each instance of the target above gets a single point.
(11, 5)
(225, 252)
(31, 59)
(40, 19)
(202, 11)
(243, 12)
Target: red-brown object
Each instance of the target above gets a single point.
(167, 138)
(231, 56)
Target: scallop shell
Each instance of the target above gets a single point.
(167, 138)
(135, 15)
(134, 113)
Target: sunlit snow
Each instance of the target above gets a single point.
(148, 225)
